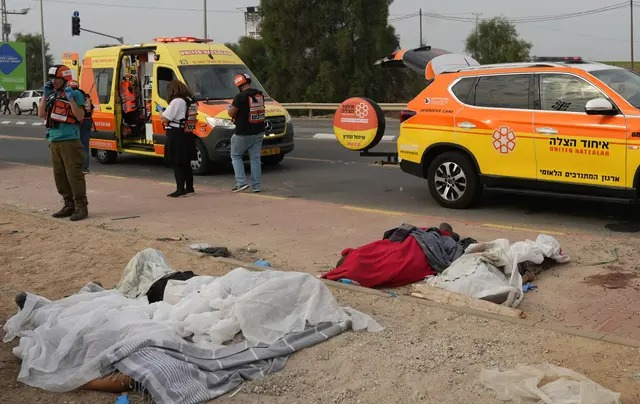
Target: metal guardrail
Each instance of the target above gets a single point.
(311, 106)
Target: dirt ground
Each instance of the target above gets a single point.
(425, 354)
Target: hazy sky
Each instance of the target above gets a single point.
(603, 36)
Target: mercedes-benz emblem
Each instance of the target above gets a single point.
(268, 126)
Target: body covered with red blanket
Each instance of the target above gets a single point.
(405, 255)
(384, 263)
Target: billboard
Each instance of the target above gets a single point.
(13, 66)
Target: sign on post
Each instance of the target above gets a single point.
(13, 66)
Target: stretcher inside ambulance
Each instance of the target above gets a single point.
(128, 86)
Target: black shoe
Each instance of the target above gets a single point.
(80, 214)
(177, 194)
(190, 191)
(21, 298)
(66, 211)
(240, 188)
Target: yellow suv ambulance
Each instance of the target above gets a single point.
(142, 71)
(550, 126)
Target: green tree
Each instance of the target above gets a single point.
(34, 58)
(253, 54)
(323, 51)
(497, 41)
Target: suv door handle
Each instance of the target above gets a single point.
(466, 125)
(547, 131)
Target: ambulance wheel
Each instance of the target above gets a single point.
(272, 160)
(201, 165)
(106, 156)
(453, 180)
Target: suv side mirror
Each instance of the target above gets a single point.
(600, 106)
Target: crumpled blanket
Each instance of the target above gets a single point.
(438, 245)
(406, 254)
(65, 344)
(490, 270)
(146, 267)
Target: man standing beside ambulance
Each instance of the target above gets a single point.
(62, 107)
(248, 113)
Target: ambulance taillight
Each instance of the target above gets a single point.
(406, 114)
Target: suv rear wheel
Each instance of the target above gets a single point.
(453, 180)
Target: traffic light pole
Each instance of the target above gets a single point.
(117, 38)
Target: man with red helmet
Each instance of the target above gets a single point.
(62, 107)
(248, 113)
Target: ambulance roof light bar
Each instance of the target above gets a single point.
(182, 39)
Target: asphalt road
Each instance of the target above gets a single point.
(323, 170)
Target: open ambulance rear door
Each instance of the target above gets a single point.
(427, 61)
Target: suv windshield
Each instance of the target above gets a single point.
(215, 82)
(622, 81)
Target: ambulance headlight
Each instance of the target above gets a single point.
(287, 116)
(223, 123)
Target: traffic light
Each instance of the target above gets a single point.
(75, 26)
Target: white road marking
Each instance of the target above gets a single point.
(331, 136)
(21, 123)
(36, 124)
(5, 122)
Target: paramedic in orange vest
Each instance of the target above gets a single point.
(248, 113)
(128, 98)
(62, 107)
(179, 119)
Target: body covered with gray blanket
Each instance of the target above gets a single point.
(180, 352)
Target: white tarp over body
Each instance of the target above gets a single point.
(65, 344)
(491, 268)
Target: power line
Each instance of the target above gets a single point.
(532, 19)
(99, 4)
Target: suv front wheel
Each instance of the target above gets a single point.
(453, 180)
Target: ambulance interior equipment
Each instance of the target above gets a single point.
(137, 66)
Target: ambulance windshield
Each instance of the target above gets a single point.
(622, 81)
(215, 82)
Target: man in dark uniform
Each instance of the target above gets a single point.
(248, 113)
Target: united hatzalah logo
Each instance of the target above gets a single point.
(362, 110)
(504, 140)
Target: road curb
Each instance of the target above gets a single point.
(331, 136)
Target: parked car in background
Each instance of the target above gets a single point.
(27, 102)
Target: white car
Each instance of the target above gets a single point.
(28, 101)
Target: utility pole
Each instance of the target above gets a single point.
(631, 13)
(477, 17)
(421, 43)
(42, 47)
(6, 27)
(205, 19)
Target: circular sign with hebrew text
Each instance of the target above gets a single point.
(359, 124)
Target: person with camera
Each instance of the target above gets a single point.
(62, 107)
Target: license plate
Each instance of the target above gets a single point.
(270, 151)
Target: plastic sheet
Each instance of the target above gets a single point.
(64, 344)
(546, 384)
(491, 268)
